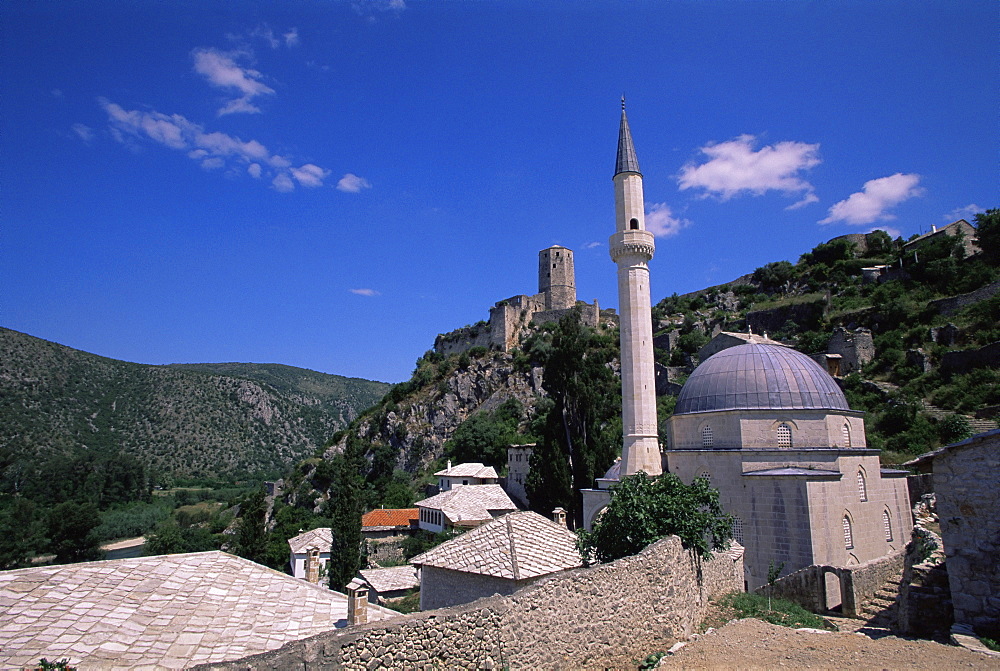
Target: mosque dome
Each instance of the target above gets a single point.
(759, 377)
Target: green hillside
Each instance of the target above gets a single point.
(195, 421)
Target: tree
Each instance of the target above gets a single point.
(484, 436)
(645, 509)
(22, 533)
(251, 531)
(71, 528)
(581, 434)
(348, 500)
(773, 276)
(988, 235)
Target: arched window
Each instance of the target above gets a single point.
(738, 530)
(633, 224)
(887, 525)
(706, 437)
(862, 485)
(705, 475)
(848, 534)
(847, 435)
(784, 435)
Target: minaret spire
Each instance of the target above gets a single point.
(627, 161)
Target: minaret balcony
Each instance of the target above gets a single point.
(631, 243)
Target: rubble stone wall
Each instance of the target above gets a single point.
(605, 616)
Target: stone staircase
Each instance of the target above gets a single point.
(880, 611)
(977, 424)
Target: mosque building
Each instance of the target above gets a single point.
(766, 425)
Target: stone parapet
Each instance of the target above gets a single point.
(606, 616)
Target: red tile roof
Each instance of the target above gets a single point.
(390, 517)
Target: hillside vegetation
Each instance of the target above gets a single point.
(221, 421)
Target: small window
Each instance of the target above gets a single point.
(847, 435)
(784, 435)
(706, 437)
(738, 530)
(705, 475)
(862, 486)
(848, 534)
(887, 526)
(633, 224)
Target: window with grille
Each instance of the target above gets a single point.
(887, 525)
(847, 435)
(705, 475)
(848, 534)
(784, 435)
(738, 530)
(706, 437)
(862, 486)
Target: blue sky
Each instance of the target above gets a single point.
(331, 184)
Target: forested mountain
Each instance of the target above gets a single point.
(228, 421)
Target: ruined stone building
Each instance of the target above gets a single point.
(510, 317)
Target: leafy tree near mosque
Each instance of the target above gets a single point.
(581, 433)
(645, 509)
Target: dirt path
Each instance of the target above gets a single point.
(753, 644)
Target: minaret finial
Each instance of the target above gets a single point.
(626, 161)
(623, 102)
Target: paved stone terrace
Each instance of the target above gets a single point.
(171, 611)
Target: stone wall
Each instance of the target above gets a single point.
(967, 478)
(949, 306)
(963, 361)
(609, 615)
(856, 348)
(858, 584)
(924, 603)
(463, 339)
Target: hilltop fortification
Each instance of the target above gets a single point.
(510, 317)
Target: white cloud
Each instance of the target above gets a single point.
(734, 168)
(351, 183)
(661, 222)
(264, 32)
(592, 245)
(892, 232)
(310, 175)
(291, 37)
(365, 292)
(56, 93)
(222, 72)
(967, 213)
(283, 183)
(212, 150)
(876, 197)
(85, 133)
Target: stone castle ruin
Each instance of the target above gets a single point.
(510, 317)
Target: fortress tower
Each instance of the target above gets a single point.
(556, 279)
(631, 248)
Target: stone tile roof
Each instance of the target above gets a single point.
(392, 578)
(473, 470)
(469, 503)
(516, 546)
(390, 518)
(172, 612)
(317, 538)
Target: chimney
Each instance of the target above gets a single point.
(312, 565)
(559, 516)
(933, 229)
(449, 464)
(357, 602)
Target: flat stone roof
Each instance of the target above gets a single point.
(469, 503)
(163, 612)
(320, 538)
(391, 579)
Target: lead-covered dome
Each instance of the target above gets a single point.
(759, 377)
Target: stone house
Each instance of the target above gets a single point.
(851, 349)
(463, 507)
(518, 457)
(967, 230)
(384, 523)
(310, 553)
(466, 474)
(387, 584)
(772, 431)
(498, 557)
(725, 339)
(966, 482)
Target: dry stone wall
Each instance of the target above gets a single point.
(606, 616)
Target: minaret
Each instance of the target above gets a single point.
(631, 248)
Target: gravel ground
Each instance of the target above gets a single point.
(754, 644)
